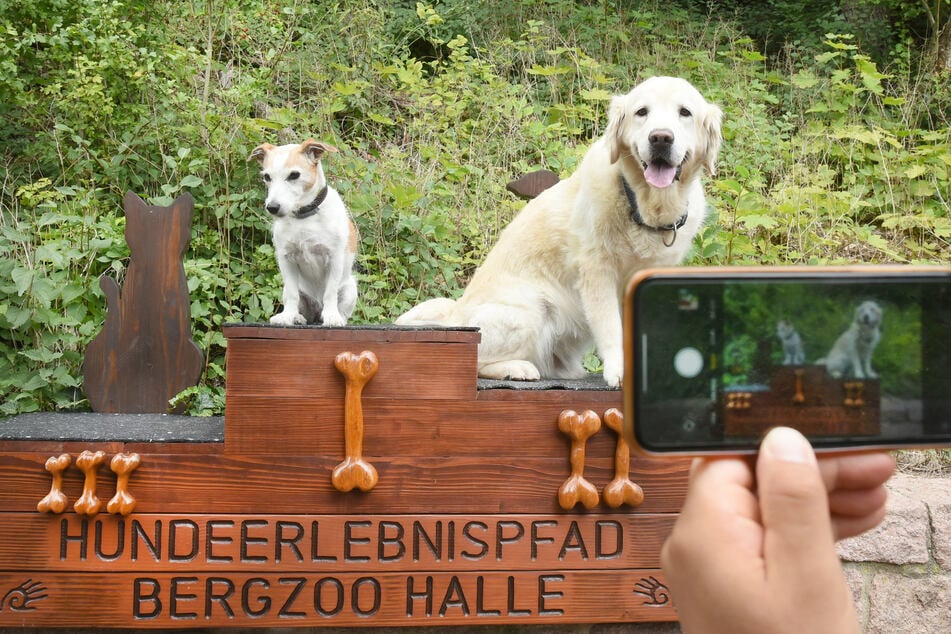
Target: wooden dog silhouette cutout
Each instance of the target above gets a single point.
(144, 354)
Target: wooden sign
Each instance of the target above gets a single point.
(144, 354)
(486, 506)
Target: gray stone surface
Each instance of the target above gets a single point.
(935, 494)
(93, 427)
(916, 605)
(855, 578)
(901, 538)
(591, 382)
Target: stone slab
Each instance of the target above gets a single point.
(93, 427)
(589, 383)
(901, 538)
(909, 604)
(935, 494)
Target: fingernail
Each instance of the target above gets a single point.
(788, 445)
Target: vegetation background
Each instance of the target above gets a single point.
(837, 141)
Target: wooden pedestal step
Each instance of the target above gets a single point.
(473, 516)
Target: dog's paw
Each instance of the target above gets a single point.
(613, 373)
(284, 318)
(515, 370)
(332, 318)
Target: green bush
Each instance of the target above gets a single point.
(435, 106)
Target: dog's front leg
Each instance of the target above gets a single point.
(290, 315)
(331, 311)
(602, 309)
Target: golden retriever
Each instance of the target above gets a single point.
(554, 281)
(851, 354)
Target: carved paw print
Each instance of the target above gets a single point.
(21, 598)
(656, 593)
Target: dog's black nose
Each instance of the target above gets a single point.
(661, 137)
(273, 209)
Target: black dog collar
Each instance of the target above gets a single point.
(637, 219)
(311, 208)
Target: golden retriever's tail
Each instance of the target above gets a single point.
(434, 312)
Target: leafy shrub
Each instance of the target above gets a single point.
(435, 106)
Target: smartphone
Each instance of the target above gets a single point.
(852, 356)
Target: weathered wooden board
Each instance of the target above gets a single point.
(398, 427)
(463, 523)
(330, 543)
(166, 600)
(411, 366)
(185, 483)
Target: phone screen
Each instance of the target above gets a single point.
(848, 359)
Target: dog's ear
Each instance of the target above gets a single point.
(258, 153)
(314, 150)
(711, 137)
(615, 131)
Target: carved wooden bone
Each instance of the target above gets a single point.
(578, 427)
(88, 462)
(621, 490)
(123, 502)
(55, 501)
(354, 471)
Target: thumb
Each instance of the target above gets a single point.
(798, 537)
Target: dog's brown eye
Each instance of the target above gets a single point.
(642, 112)
(293, 176)
(685, 113)
(266, 177)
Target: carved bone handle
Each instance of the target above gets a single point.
(578, 427)
(88, 462)
(621, 490)
(354, 471)
(123, 464)
(55, 501)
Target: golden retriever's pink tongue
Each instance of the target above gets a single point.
(660, 176)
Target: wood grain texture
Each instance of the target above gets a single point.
(532, 184)
(330, 543)
(517, 428)
(164, 600)
(384, 333)
(291, 368)
(144, 354)
(177, 483)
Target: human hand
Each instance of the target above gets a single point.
(758, 554)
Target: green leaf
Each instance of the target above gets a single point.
(23, 278)
(596, 94)
(191, 181)
(757, 220)
(805, 79)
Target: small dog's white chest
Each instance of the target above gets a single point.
(306, 250)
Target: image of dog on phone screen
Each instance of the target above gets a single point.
(553, 283)
(851, 354)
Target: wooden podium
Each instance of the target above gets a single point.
(366, 478)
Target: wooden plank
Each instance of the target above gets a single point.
(289, 368)
(330, 543)
(145, 600)
(386, 333)
(176, 483)
(397, 427)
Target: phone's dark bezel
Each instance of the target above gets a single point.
(853, 273)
